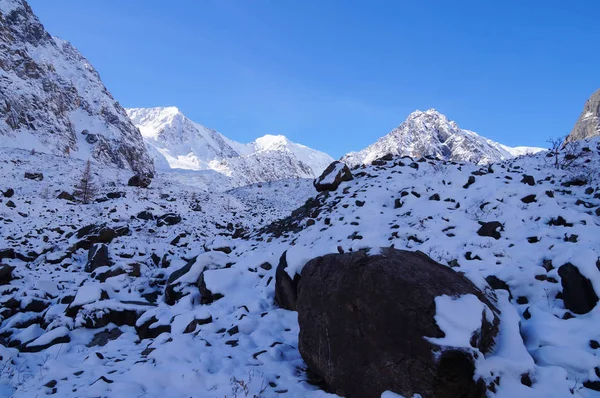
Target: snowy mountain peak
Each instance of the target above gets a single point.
(431, 133)
(176, 142)
(272, 142)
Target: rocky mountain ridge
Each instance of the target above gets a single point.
(52, 99)
(430, 133)
(588, 124)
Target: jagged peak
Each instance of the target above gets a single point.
(429, 113)
(270, 142)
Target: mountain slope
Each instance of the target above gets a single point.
(176, 142)
(431, 133)
(112, 332)
(588, 124)
(52, 100)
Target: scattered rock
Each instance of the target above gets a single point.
(578, 293)
(529, 199)
(66, 196)
(34, 176)
(559, 222)
(145, 215)
(529, 180)
(470, 182)
(490, 229)
(115, 195)
(100, 339)
(8, 193)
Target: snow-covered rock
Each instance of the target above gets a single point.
(52, 99)
(178, 144)
(430, 133)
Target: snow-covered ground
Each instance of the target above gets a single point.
(213, 329)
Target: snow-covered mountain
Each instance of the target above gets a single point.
(176, 142)
(431, 133)
(588, 124)
(52, 99)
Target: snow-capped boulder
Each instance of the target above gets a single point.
(333, 176)
(168, 219)
(394, 320)
(97, 257)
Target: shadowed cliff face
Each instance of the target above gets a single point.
(53, 100)
(588, 124)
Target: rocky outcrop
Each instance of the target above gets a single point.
(368, 324)
(52, 98)
(588, 124)
(332, 177)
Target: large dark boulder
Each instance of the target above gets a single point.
(578, 293)
(366, 324)
(97, 257)
(286, 288)
(332, 177)
(140, 181)
(98, 233)
(6, 274)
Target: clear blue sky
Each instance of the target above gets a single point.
(338, 74)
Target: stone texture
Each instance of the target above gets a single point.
(363, 322)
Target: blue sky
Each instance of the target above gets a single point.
(338, 74)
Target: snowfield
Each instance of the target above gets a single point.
(140, 325)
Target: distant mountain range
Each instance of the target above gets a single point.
(52, 100)
(177, 143)
(431, 133)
